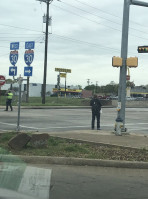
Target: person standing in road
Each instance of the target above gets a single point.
(95, 107)
(9, 100)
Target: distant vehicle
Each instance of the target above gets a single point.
(114, 97)
(130, 98)
(140, 98)
(104, 97)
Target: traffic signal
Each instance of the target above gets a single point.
(132, 62)
(142, 49)
(116, 61)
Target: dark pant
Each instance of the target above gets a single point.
(8, 103)
(95, 115)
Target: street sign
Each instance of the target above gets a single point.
(63, 70)
(63, 75)
(13, 57)
(28, 57)
(29, 45)
(28, 71)
(14, 46)
(2, 80)
(12, 71)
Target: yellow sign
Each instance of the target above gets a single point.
(67, 90)
(64, 70)
(63, 75)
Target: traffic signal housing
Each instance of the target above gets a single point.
(142, 49)
(132, 62)
(116, 61)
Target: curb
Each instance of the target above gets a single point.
(75, 161)
(55, 107)
(95, 143)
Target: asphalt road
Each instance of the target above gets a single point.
(97, 183)
(56, 120)
(71, 182)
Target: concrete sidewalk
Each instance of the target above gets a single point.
(106, 137)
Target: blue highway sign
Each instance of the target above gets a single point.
(29, 45)
(28, 57)
(14, 46)
(12, 71)
(13, 57)
(28, 71)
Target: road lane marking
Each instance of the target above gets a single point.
(67, 127)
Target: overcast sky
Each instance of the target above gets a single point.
(85, 35)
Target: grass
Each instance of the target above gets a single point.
(50, 101)
(68, 148)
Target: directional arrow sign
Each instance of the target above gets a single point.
(2, 80)
(12, 71)
(28, 71)
(28, 57)
(13, 57)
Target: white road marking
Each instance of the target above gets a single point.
(36, 182)
(86, 126)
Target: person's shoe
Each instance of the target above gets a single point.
(98, 129)
(92, 128)
(11, 109)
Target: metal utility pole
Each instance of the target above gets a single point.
(46, 50)
(120, 121)
(122, 82)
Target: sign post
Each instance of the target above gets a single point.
(20, 80)
(28, 58)
(62, 73)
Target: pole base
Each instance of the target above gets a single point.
(118, 127)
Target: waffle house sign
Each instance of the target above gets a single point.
(63, 70)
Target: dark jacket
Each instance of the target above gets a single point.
(95, 105)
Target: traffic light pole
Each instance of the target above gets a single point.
(122, 81)
(120, 121)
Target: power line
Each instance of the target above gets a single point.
(19, 28)
(83, 3)
(100, 46)
(86, 18)
(98, 22)
(97, 8)
(84, 42)
(91, 13)
(102, 17)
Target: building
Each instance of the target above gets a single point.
(35, 90)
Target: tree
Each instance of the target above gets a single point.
(108, 89)
(130, 84)
(91, 88)
(80, 87)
